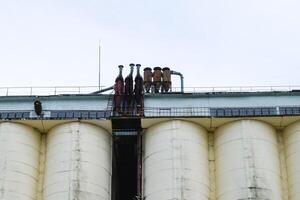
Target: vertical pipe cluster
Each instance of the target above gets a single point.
(160, 79)
(157, 81)
(129, 99)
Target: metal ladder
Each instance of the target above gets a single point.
(110, 104)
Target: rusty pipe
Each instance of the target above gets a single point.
(166, 77)
(131, 69)
(138, 66)
(147, 79)
(157, 75)
(120, 72)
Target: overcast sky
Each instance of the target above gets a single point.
(212, 42)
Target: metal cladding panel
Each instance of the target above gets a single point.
(78, 163)
(176, 162)
(247, 161)
(19, 161)
(292, 147)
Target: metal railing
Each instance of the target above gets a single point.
(237, 89)
(59, 90)
(156, 112)
(221, 111)
(47, 90)
(176, 112)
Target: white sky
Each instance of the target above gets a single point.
(212, 42)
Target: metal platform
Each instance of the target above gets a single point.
(204, 105)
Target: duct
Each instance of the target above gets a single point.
(139, 90)
(120, 77)
(129, 82)
(119, 90)
(128, 98)
(181, 79)
(103, 90)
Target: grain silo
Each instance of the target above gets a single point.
(247, 161)
(176, 161)
(78, 163)
(161, 143)
(292, 146)
(19, 161)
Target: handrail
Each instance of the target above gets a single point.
(47, 90)
(59, 90)
(236, 89)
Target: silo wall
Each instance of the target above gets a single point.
(247, 162)
(292, 149)
(246, 159)
(19, 161)
(78, 163)
(175, 162)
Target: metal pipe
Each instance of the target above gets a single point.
(103, 90)
(181, 79)
(120, 73)
(138, 66)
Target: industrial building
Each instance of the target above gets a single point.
(144, 140)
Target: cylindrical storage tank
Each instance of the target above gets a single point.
(247, 162)
(157, 76)
(176, 162)
(292, 149)
(19, 161)
(166, 84)
(147, 79)
(78, 163)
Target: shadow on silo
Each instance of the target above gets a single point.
(124, 168)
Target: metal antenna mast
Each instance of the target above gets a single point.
(99, 78)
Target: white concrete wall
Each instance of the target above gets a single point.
(244, 160)
(247, 161)
(78, 163)
(19, 161)
(26, 154)
(176, 162)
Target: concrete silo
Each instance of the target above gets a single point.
(292, 149)
(19, 161)
(78, 163)
(247, 161)
(176, 161)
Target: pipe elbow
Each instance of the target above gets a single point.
(181, 77)
(177, 73)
